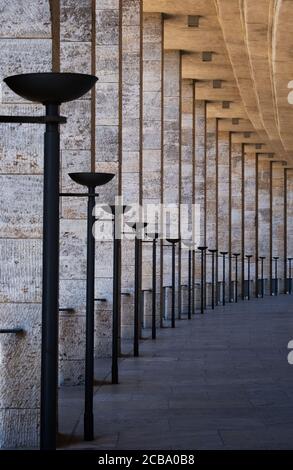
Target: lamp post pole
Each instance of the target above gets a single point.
(236, 255)
(173, 242)
(275, 258)
(50, 89)
(290, 276)
(90, 180)
(248, 275)
(262, 258)
(202, 250)
(213, 252)
(224, 253)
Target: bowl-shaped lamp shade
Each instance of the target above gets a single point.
(113, 209)
(91, 179)
(173, 240)
(50, 87)
(137, 225)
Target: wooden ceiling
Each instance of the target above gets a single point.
(251, 43)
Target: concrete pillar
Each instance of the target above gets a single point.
(200, 175)
(26, 46)
(211, 191)
(278, 221)
(76, 144)
(106, 131)
(187, 170)
(223, 203)
(131, 122)
(152, 135)
(236, 207)
(172, 151)
(249, 208)
(290, 214)
(264, 215)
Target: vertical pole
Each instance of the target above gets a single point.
(276, 276)
(193, 280)
(90, 321)
(213, 280)
(136, 298)
(290, 275)
(271, 228)
(116, 300)
(262, 278)
(236, 278)
(50, 296)
(189, 284)
(248, 278)
(285, 228)
(256, 223)
(173, 286)
(154, 289)
(224, 280)
(202, 284)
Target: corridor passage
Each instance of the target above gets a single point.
(219, 381)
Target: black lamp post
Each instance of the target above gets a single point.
(91, 181)
(213, 253)
(202, 250)
(224, 253)
(138, 227)
(262, 258)
(275, 258)
(50, 89)
(154, 236)
(173, 242)
(236, 255)
(117, 212)
(190, 286)
(290, 276)
(248, 275)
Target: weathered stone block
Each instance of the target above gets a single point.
(21, 270)
(21, 206)
(75, 134)
(18, 56)
(75, 20)
(20, 356)
(35, 19)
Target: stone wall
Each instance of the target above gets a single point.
(26, 46)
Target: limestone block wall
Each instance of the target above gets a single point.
(106, 148)
(211, 191)
(200, 175)
(131, 135)
(25, 38)
(172, 160)
(249, 209)
(152, 135)
(264, 212)
(76, 144)
(278, 215)
(223, 200)
(290, 214)
(187, 158)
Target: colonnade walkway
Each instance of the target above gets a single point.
(219, 381)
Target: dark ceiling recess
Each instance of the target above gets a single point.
(235, 121)
(207, 56)
(217, 83)
(193, 21)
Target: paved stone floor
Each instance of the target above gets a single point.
(219, 381)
